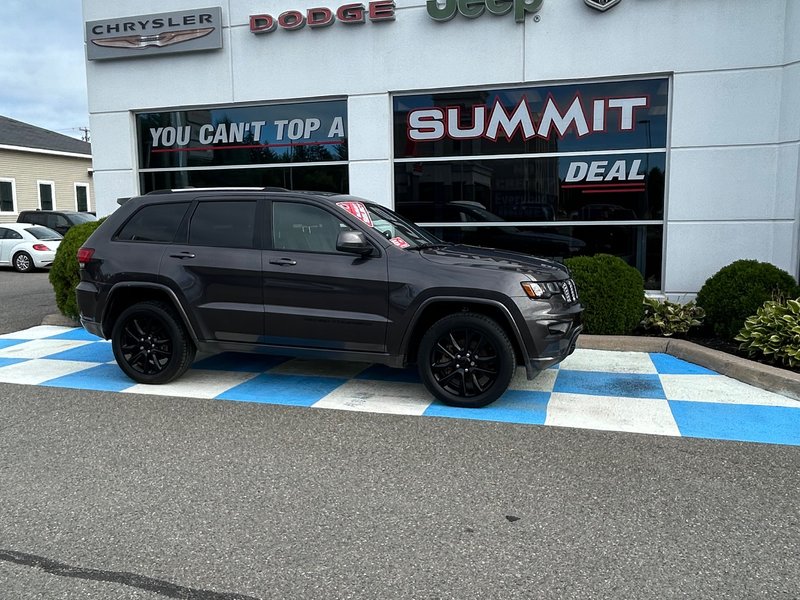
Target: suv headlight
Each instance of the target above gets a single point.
(539, 290)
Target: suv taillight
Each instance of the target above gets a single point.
(84, 256)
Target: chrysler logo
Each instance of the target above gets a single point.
(601, 4)
(158, 40)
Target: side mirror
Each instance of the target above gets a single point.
(354, 242)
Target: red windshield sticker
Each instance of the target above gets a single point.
(399, 242)
(358, 210)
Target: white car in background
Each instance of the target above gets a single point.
(27, 247)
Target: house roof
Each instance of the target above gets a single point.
(16, 133)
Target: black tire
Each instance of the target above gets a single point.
(23, 262)
(151, 343)
(466, 360)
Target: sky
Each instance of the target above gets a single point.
(42, 71)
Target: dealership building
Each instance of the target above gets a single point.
(663, 132)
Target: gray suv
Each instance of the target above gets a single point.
(318, 275)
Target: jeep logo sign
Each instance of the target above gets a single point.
(472, 9)
(162, 33)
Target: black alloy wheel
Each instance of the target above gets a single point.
(151, 344)
(23, 262)
(466, 360)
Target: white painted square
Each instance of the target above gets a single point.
(543, 382)
(320, 368)
(195, 384)
(379, 397)
(39, 348)
(718, 388)
(34, 372)
(607, 413)
(36, 333)
(609, 361)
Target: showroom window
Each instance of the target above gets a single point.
(556, 170)
(299, 145)
(7, 199)
(46, 195)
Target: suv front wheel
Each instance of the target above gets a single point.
(151, 344)
(466, 360)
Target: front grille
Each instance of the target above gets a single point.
(569, 291)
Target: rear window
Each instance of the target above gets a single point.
(154, 223)
(43, 233)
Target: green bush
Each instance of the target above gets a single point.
(773, 333)
(611, 292)
(737, 291)
(64, 275)
(669, 318)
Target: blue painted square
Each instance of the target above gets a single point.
(384, 373)
(240, 362)
(515, 406)
(9, 343)
(741, 422)
(4, 362)
(99, 352)
(627, 385)
(669, 365)
(106, 378)
(293, 390)
(78, 333)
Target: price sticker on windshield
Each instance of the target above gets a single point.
(399, 242)
(358, 210)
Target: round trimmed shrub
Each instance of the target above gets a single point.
(737, 291)
(64, 274)
(611, 292)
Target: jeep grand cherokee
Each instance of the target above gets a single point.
(318, 275)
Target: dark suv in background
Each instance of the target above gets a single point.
(57, 220)
(318, 276)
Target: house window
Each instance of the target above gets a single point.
(7, 203)
(81, 197)
(46, 195)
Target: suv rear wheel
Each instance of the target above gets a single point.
(151, 344)
(466, 360)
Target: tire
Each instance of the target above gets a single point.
(23, 262)
(151, 344)
(466, 360)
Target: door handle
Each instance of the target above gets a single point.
(182, 255)
(283, 262)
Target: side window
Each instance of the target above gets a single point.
(48, 220)
(154, 223)
(3, 231)
(61, 221)
(297, 226)
(224, 223)
(10, 234)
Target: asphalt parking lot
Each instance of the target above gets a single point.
(127, 494)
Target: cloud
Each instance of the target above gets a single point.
(42, 69)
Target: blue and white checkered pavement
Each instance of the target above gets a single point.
(594, 389)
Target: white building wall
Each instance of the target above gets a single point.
(732, 189)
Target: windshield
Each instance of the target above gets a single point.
(43, 233)
(395, 228)
(78, 218)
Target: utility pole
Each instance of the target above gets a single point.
(85, 131)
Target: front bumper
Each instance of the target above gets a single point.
(552, 328)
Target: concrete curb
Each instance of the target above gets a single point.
(766, 377)
(763, 376)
